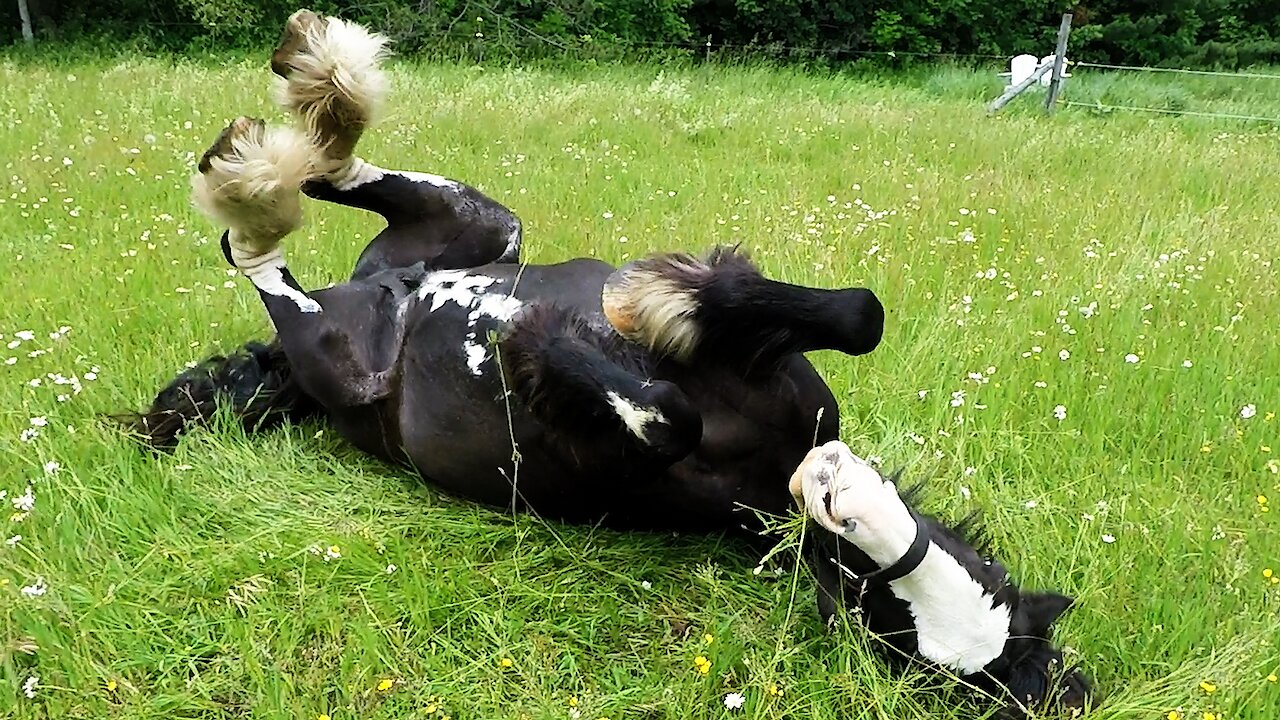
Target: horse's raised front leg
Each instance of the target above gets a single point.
(331, 79)
(594, 393)
(721, 309)
(249, 181)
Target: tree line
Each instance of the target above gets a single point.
(1184, 33)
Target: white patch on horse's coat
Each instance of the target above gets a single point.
(635, 417)
(354, 174)
(266, 272)
(956, 625)
(361, 172)
(513, 246)
(455, 286)
(475, 354)
(428, 178)
(647, 307)
(500, 307)
(470, 293)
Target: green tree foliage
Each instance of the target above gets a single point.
(1219, 33)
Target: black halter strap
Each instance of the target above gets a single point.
(905, 564)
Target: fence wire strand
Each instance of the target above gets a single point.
(1215, 73)
(1163, 111)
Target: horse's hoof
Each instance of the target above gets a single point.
(294, 40)
(224, 146)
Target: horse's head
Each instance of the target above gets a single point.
(926, 590)
(1031, 668)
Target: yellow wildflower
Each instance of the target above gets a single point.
(1267, 573)
(1271, 677)
(1208, 687)
(773, 690)
(322, 716)
(506, 662)
(573, 701)
(708, 639)
(384, 684)
(432, 708)
(702, 664)
(112, 685)
(1212, 716)
(1173, 715)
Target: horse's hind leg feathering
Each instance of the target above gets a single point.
(331, 79)
(250, 181)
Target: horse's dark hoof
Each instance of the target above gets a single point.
(293, 40)
(223, 146)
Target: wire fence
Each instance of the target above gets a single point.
(1165, 111)
(1183, 71)
(1098, 105)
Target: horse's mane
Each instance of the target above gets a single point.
(969, 529)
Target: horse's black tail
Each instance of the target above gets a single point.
(255, 384)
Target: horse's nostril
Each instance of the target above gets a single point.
(850, 524)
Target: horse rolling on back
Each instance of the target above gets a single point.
(670, 393)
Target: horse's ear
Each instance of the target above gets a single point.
(1043, 608)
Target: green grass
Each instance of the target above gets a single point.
(186, 587)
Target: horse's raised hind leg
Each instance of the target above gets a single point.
(331, 79)
(249, 180)
(721, 309)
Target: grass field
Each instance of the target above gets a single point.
(1082, 343)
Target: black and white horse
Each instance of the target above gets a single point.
(671, 393)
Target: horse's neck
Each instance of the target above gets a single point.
(955, 622)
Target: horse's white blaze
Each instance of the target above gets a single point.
(635, 417)
(360, 172)
(956, 625)
(646, 307)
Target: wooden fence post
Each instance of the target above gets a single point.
(1014, 90)
(1059, 60)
